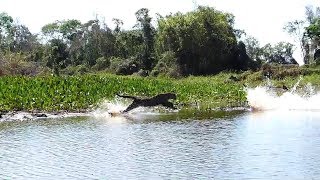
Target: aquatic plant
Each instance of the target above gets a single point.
(77, 93)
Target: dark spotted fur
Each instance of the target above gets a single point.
(160, 99)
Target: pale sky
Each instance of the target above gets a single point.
(263, 19)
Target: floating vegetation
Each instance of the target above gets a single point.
(77, 93)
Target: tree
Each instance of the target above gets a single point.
(98, 41)
(51, 31)
(65, 29)
(312, 31)
(64, 34)
(280, 53)
(312, 15)
(203, 40)
(253, 48)
(69, 28)
(6, 36)
(296, 29)
(242, 60)
(306, 32)
(118, 23)
(56, 55)
(129, 43)
(23, 39)
(144, 22)
(16, 38)
(85, 43)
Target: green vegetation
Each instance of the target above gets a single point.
(193, 39)
(83, 92)
(201, 42)
(282, 75)
(73, 66)
(76, 93)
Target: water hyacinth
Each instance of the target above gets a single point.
(75, 93)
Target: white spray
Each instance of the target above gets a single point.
(106, 108)
(266, 98)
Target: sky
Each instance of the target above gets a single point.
(262, 19)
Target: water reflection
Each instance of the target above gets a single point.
(236, 145)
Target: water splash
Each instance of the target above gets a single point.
(266, 98)
(106, 108)
(294, 88)
(28, 116)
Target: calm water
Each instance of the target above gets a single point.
(248, 145)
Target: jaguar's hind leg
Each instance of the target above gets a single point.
(131, 106)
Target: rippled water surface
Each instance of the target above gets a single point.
(269, 145)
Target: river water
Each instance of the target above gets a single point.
(231, 145)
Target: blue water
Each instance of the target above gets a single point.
(248, 145)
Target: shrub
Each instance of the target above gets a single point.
(165, 64)
(142, 73)
(154, 73)
(160, 68)
(174, 72)
(128, 67)
(75, 70)
(17, 64)
(102, 64)
(266, 69)
(168, 58)
(82, 69)
(115, 62)
(70, 70)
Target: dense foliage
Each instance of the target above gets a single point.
(201, 42)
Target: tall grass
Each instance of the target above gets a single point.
(75, 93)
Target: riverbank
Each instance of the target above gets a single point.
(77, 93)
(85, 93)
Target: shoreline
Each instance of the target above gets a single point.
(28, 115)
(56, 96)
(70, 93)
(13, 116)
